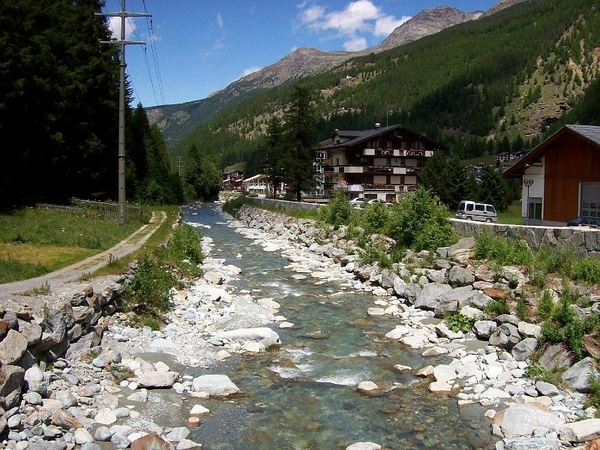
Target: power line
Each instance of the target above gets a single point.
(150, 25)
(122, 42)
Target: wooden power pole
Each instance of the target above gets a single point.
(122, 42)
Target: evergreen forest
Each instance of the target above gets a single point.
(59, 113)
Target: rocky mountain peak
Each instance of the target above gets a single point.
(428, 21)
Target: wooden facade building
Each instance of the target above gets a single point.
(561, 177)
(378, 163)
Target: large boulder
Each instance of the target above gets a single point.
(215, 385)
(578, 375)
(524, 420)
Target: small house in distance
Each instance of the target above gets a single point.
(561, 177)
(232, 180)
(382, 162)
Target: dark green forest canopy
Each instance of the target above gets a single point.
(58, 102)
(456, 86)
(59, 112)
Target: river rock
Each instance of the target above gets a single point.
(582, 431)
(158, 379)
(364, 446)
(264, 335)
(215, 385)
(524, 420)
(151, 442)
(578, 375)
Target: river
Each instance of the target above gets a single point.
(303, 395)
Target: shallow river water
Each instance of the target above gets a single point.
(303, 395)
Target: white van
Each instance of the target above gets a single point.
(482, 212)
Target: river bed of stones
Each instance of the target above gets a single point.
(121, 386)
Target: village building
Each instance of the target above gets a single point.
(232, 180)
(256, 185)
(561, 177)
(381, 163)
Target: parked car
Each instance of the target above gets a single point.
(584, 222)
(378, 201)
(482, 212)
(357, 202)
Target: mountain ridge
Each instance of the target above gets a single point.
(174, 121)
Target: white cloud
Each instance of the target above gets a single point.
(219, 20)
(114, 24)
(385, 25)
(355, 24)
(249, 70)
(355, 44)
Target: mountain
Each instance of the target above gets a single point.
(175, 121)
(428, 21)
(498, 83)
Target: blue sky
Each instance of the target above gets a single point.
(197, 47)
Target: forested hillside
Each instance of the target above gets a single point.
(481, 87)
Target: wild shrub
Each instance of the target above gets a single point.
(521, 310)
(496, 308)
(149, 293)
(374, 219)
(555, 260)
(587, 270)
(501, 250)
(184, 246)
(337, 212)
(419, 222)
(545, 305)
(564, 325)
(233, 205)
(459, 322)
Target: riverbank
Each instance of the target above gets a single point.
(133, 381)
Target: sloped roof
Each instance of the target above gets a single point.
(354, 137)
(255, 177)
(590, 133)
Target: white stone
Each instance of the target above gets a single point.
(444, 373)
(440, 386)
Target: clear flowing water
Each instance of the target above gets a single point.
(303, 395)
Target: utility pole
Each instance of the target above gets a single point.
(122, 104)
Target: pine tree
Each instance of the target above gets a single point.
(301, 137)
(454, 176)
(492, 188)
(58, 92)
(274, 154)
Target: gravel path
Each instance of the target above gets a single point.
(66, 282)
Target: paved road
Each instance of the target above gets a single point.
(69, 278)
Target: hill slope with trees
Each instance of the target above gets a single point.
(482, 87)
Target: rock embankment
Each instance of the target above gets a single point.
(75, 375)
(424, 290)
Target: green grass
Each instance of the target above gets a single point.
(512, 216)
(34, 242)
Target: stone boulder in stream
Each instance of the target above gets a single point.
(261, 335)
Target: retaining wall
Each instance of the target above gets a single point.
(585, 241)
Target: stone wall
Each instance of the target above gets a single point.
(585, 241)
(62, 328)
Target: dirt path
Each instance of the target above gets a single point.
(67, 281)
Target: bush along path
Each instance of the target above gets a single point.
(444, 303)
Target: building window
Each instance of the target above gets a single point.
(535, 208)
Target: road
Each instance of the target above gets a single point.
(71, 279)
